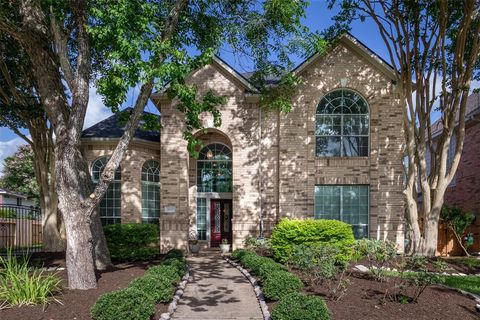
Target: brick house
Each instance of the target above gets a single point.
(336, 155)
(464, 189)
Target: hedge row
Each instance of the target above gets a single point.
(137, 301)
(280, 285)
(132, 241)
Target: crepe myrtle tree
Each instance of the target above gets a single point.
(117, 45)
(434, 48)
(20, 108)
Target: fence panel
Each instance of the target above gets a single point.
(20, 229)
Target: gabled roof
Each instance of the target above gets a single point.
(361, 49)
(111, 128)
(13, 193)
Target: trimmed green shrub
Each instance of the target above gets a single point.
(158, 289)
(268, 268)
(174, 254)
(239, 254)
(297, 306)
(126, 304)
(289, 233)
(280, 283)
(179, 265)
(132, 241)
(169, 273)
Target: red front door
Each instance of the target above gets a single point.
(220, 221)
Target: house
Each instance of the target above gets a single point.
(464, 189)
(12, 198)
(336, 155)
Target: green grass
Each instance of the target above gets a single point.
(471, 263)
(466, 283)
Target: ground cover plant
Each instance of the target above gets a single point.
(298, 306)
(137, 301)
(466, 283)
(22, 285)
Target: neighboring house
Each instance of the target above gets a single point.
(336, 155)
(15, 199)
(464, 190)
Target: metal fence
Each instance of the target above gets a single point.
(20, 229)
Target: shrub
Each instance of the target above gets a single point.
(289, 233)
(297, 306)
(127, 304)
(169, 273)
(174, 254)
(268, 268)
(239, 254)
(252, 261)
(132, 241)
(20, 285)
(280, 283)
(380, 253)
(158, 289)
(260, 246)
(179, 265)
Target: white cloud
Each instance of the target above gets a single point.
(96, 110)
(7, 148)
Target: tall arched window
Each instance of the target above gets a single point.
(214, 169)
(342, 125)
(110, 206)
(151, 192)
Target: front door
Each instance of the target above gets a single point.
(220, 221)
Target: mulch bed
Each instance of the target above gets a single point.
(365, 300)
(76, 304)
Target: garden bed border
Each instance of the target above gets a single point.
(256, 287)
(178, 294)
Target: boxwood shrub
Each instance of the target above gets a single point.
(132, 241)
(169, 273)
(126, 304)
(289, 233)
(268, 268)
(279, 284)
(297, 306)
(239, 254)
(158, 289)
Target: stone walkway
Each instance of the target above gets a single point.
(217, 291)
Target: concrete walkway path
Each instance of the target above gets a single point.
(217, 291)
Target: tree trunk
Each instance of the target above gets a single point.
(428, 243)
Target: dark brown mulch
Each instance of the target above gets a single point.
(364, 300)
(76, 304)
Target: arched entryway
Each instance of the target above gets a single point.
(214, 194)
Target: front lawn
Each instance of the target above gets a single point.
(466, 283)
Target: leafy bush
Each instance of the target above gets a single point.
(167, 272)
(280, 283)
(127, 304)
(7, 213)
(297, 306)
(20, 285)
(132, 241)
(239, 254)
(380, 253)
(289, 233)
(320, 265)
(174, 254)
(268, 268)
(179, 265)
(259, 246)
(157, 288)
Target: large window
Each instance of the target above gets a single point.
(151, 192)
(202, 218)
(110, 210)
(342, 125)
(214, 169)
(347, 203)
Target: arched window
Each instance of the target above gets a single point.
(342, 125)
(151, 192)
(110, 206)
(214, 169)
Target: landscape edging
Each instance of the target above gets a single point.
(178, 294)
(256, 288)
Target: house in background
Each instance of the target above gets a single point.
(464, 190)
(15, 199)
(336, 155)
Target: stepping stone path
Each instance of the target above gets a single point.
(217, 290)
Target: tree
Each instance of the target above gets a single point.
(457, 221)
(434, 48)
(119, 45)
(20, 108)
(18, 173)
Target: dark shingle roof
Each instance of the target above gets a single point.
(111, 128)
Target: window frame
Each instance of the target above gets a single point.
(204, 161)
(342, 136)
(146, 184)
(117, 181)
(341, 213)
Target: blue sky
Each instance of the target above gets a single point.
(318, 17)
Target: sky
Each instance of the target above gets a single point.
(318, 17)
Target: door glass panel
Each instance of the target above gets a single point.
(217, 217)
(226, 218)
